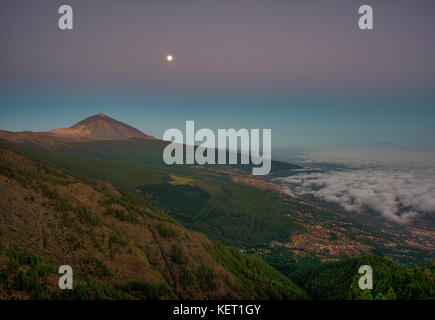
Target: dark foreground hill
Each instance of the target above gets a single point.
(121, 246)
(339, 280)
(118, 245)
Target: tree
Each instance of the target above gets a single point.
(391, 295)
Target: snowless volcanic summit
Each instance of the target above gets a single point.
(101, 127)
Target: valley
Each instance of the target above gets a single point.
(119, 246)
(225, 203)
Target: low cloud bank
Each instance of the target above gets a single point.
(397, 184)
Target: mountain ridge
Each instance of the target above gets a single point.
(99, 127)
(119, 246)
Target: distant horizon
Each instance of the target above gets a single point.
(294, 122)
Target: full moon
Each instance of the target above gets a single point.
(169, 58)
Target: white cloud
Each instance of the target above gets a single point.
(398, 184)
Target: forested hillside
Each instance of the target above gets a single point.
(339, 280)
(124, 244)
(119, 246)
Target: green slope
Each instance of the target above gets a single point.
(235, 214)
(120, 246)
(339, 280)
(238, 215)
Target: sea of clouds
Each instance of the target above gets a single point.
(399, 184)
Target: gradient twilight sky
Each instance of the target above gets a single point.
(302, 68)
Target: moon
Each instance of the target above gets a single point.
(169, 58)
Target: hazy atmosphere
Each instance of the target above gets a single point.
(313, 177)
(302, 68)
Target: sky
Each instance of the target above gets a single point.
(301, 68)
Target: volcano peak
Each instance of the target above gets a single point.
(101, 127)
